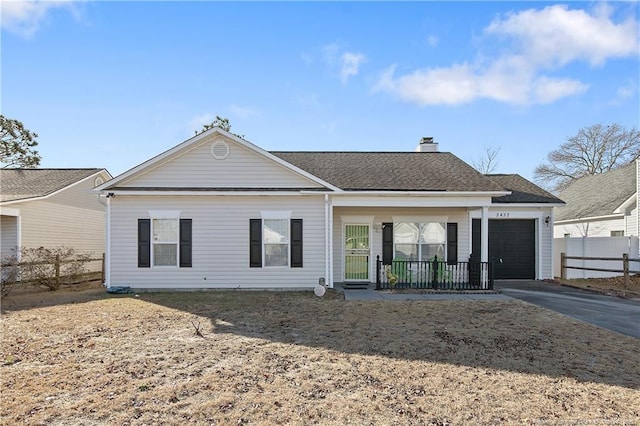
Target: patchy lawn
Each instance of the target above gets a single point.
(87, 358)
(611, 286)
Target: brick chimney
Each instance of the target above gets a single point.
(427, 145)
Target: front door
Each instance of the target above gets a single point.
(356, 253)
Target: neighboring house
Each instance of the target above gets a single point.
(217, 211)
(603, 205)
(51, 208)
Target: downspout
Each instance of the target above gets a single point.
(107, 255)
(326, 239)
(330, 243)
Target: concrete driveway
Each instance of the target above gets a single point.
(609, 312)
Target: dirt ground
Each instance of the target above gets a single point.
(89, 358)
(611, 286)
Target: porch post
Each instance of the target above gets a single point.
(484, 235)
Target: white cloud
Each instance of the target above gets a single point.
(350, 65)
(541, 42)
(547, 90)
(197, 122)
(346, 64)
(24, 17)
(555, 35)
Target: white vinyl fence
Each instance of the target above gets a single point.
(610, 247)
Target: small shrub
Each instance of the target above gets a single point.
(8, 273)
(47, 266)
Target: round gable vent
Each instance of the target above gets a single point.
(219, 150)
(98, 181)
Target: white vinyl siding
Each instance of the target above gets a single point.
(631, 225)
(242, 168)
(544, 253)
(46, 224)
(220, 244)
(79, 195)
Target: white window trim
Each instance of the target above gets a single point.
(164, 215)
(273, 214)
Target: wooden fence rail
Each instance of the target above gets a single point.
(625, 259)
(58, 262)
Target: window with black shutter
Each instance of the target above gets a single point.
(255, 243)
(452, 243)
(185, 243)
(296, 243)
(387, 243)
(144, 243)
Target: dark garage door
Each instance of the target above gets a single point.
(512, 247)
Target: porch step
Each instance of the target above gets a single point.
(358, 286)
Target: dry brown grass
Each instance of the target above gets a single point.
(275, 357)
(614, 286)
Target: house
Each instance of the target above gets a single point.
(603, 205)
(217, 211)
(51, 208)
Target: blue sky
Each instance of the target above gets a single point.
(111, 84)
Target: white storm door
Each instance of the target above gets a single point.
(356, 253)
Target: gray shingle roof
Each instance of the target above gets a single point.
(391, 171)
(20, 184)
(598, 195)
(522, 190)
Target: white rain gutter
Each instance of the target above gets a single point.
(326, 240)
(107, 254)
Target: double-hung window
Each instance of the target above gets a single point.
(164, 240)
(275, 240)
(275, 237)
(419, 241)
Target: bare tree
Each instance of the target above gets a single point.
(593, 150)
(17, 145)
(488, 162)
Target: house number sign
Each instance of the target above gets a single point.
(502, 214)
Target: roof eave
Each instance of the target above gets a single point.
(589, 218)
(627, 203)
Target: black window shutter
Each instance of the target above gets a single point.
(144, 243)
(452, 243)
(387, 243)
(185, 243)
(296, 243)
(255, 243)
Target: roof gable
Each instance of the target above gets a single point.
(26, 184)
(598, 195)
(215, 160)
(392, 171)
